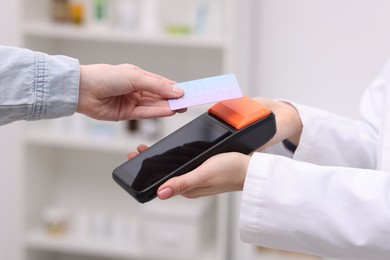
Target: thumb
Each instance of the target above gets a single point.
(176, 186)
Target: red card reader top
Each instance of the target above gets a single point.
(239, 112)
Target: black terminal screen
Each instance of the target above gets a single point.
(172, 152)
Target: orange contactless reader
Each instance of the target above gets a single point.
(237, 125)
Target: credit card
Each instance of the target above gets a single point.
(206, 90)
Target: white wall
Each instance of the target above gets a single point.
(10, 146)
(321, 52)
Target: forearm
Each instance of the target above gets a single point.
(331, 139)
(323, 137)
(36, 86)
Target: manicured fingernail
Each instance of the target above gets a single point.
(165, 193)
(177, 90)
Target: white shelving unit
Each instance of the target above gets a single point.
(73, 172)
(69, 167)
(67, 32)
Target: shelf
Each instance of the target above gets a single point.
(38, 240)
(119, 140)
(81, 142)
(72, 32)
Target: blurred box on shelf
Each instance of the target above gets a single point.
(177, 226)
(55, 221)
(200, 17)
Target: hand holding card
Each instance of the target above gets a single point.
(206, 90)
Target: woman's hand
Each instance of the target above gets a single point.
(221, 173)
(123, 92)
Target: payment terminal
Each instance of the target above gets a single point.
(237, 125)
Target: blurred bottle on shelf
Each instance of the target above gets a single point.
(213, 21)
(125, 15)
(100, 14)
(208, 17)
(100, 10)
(80, 224)
(180, 22)
(149, 16)
(151, 128)
(100, 226)
(59, 11)
(200, 17)
(133, 126)
(77, 12)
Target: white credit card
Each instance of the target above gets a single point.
(206, 90)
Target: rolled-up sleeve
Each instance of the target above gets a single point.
(36, 86)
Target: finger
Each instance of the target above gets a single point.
(142, 147)
(156, 84)
(155, 75)
(153, 102)
(200, 192)
(151, 107)
(131, 155)
(145, 94)
(182, 110)
(177, 186)
(150, 97)
(159, 77)
(151, 112)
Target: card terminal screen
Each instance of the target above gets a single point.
(173, 152)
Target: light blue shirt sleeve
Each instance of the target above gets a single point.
(34, 85)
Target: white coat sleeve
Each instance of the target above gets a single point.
(328, 211)
(330, 139)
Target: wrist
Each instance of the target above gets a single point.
(83, 89)
(291, 123)
(243, 168)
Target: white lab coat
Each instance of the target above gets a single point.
(332, 198)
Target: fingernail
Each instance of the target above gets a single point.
(165, 193)
(177, 90)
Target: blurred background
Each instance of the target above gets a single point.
(57, 198)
